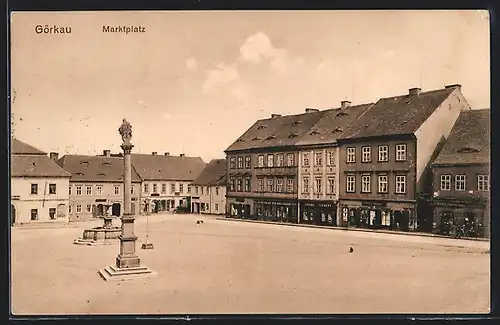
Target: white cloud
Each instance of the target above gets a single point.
(167, 116)
(220, 76)
(192, 64)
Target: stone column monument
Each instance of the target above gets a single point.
(128, 264)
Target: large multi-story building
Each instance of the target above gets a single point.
(319, 172)
(208, 190)
(165, 179)
(461, 177)
(262, 167)
(385, 156)
(39, 187)
(96, 186)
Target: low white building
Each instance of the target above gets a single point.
(39, 187)
(208, 191)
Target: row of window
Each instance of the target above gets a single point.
(280, 160)
(239, 165)
(206, 207)
(52, 214)
(276, 185)
(382, 184)
(483, 182)
(318, 158)
(98, 189)
(318, 185)
(383, 153)
(236, 184)
(200, 190)
(34, 189)
(173, 187)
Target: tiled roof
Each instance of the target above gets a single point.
(35, 166)
(397, 115)
(159, 167)
(20, 148)
(95, 168)
(276, 132)
(469, 139)
(332, 125)
(213, 174)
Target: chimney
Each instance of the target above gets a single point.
(454, 86)
(275, 115)
(154, 153)
(310, 110)
(345, 104)
(106, 153)
(414, 91)
(182, 155)
(167, 154)
(54, 156)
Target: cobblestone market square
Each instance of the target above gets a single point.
(235, 267)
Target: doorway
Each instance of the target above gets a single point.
(115, 209)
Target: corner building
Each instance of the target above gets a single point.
(262, 168)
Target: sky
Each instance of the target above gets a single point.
(194, 81)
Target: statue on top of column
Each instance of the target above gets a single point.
(125, 131)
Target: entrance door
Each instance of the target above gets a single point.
(115, 209)
(12, 215)
(447, 222)
(100, 210)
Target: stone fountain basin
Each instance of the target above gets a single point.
(100, 233)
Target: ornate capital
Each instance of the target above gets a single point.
(127, 148)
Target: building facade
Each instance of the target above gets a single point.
(38, 186)
(460, 199)
(385, 157)
(166, 180)
(319, 168)
(262, 168)
(96, 186)
(208, 190)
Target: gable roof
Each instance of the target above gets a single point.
(276, 132)
(397, 115)
(35, 165)
(333, 124)
(20, 148)
(213, 174)
(95, 168)
(469, 140)
(156, 167)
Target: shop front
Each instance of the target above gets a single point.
(322, 213)
(278, 211)
(460, 219)
(240, 208)
(378, 215)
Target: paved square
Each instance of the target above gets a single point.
(235, 267)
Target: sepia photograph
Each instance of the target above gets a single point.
(249, 162)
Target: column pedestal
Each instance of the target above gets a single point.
(128, 264)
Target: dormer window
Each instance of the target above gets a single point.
(337, 129)
(293, 135)
(101, 174)
(255, 139)
(467, 150)
(271, 137)
(296, 123)
(79, 174)
(314, 133)
(106, 164)
(342, 114)
(84, 162)
(262, 127)
(240, 140)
